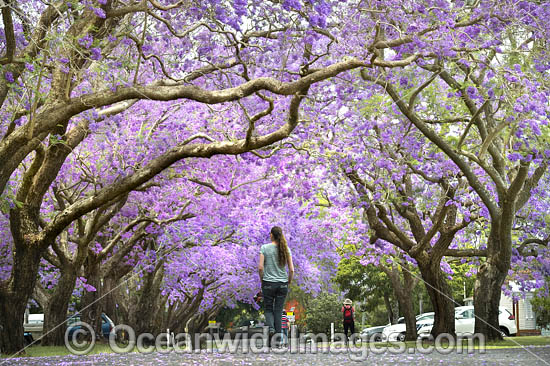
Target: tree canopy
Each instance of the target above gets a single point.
(153, 143)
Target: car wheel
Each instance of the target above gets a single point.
(504, 332)
(401, 337)
(121, 337)
(81, 337)
(27, 340)
(377, 338)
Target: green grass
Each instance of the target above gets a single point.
(510, 342)
(514, 342)
(43, 351)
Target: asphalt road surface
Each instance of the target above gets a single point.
(529, 356)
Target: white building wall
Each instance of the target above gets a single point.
(526, 314)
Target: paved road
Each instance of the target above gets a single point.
(529, 356)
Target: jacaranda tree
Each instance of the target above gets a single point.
(72, 67)
(231, 77)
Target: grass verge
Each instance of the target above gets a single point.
(509, 342)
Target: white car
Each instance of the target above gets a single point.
(34, 326)
(465, 322)
(397, 332)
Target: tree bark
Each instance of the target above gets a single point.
(55, 311)
(389, 309)
(488, 287)
(441, 297)
(16, 291)
(489, 281)
(91, 300)
(146, 310)
(403, 292)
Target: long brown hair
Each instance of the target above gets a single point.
(278, 236)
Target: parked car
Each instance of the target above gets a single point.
(107, 325)
(35, 318)
(216, 329)
(397, 331)
(27, 338)
(465, 322)
(373, 334)
(34, 327)
(249, 326)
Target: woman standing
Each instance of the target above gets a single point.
(349, 318)
(274, 258)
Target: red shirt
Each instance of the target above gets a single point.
(284, 321)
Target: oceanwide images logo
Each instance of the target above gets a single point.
(123, 339)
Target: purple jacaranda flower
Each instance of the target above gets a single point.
(96, 53)
(240, 7)
(292, 4)
(518, 107)
(514, 156)
(86, 41)
(9, 77)
(100, 13)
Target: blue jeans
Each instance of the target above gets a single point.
(274, 300)
(285, 335)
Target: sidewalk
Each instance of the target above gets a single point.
(532, 356)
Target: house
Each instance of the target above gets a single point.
(521, 309)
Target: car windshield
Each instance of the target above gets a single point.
(401, 320)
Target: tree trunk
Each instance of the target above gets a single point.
(145, 310)
(189, 310)
(116, 301)
(490, 278)
(55, 311)
(16, 291)
(110, 300)
(488, 287)
(403, 293)
(389, 309)
(11, 320)
(441, 297)
(91, 300)
(195, 327)
(407, 305)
